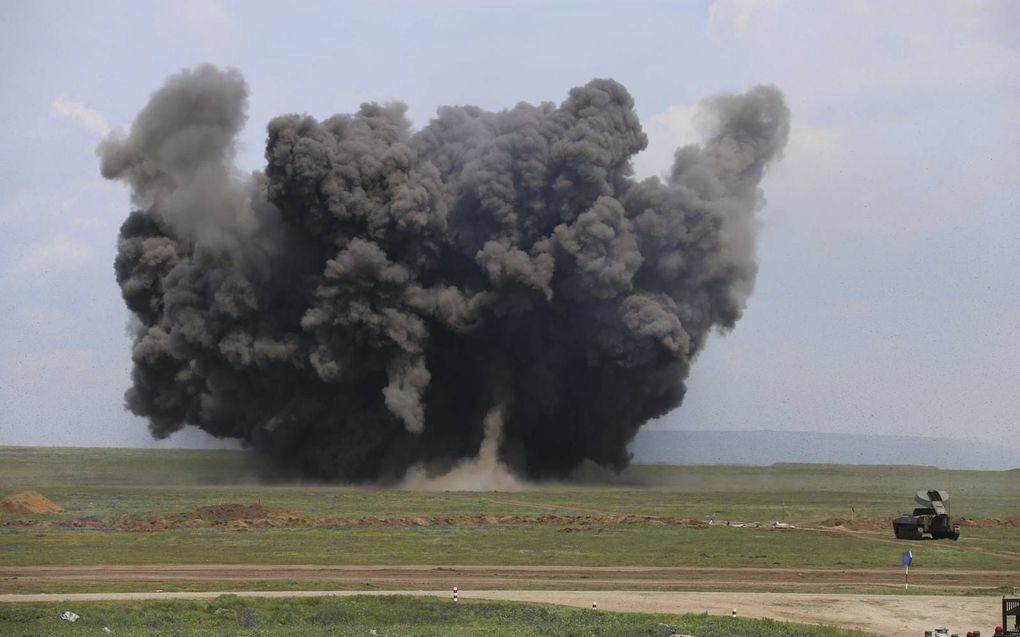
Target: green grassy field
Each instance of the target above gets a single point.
(116, 484)
(610, 545)
(383, 616)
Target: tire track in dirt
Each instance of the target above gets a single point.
(511, 576)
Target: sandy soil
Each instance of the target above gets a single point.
(499, 577)
(876, 614)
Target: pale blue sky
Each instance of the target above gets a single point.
(888, 299)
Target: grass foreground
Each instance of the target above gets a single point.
(367, 615)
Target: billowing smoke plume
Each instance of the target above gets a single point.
(364, 303)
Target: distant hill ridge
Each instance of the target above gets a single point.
(775, 447)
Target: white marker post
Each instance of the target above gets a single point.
(734, 615)
(455, 594)
(594, 606)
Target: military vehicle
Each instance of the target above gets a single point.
(930, 521)
(1010, 608)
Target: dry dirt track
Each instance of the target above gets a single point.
(876, 614)
(502, 577)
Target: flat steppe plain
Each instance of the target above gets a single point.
(191, 521)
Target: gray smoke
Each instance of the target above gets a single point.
(363, 304)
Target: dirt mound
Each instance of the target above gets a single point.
(234, 512)
(28, 502)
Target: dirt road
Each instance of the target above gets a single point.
(502, 577)
(876, 614)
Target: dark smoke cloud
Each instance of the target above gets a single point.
(363, 304)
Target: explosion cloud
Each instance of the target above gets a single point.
(379, 297)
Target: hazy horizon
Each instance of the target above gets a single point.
(754, 447)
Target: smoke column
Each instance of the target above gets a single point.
(380, 298)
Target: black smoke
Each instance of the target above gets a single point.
(363, 303)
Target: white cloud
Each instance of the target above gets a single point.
(684, 124)
(964, 63)
(90, 119)
(845, 51)
(734, 16)
(41, 261)
(204, 23)
(813, 139)
(677, 126)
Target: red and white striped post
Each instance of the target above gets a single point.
(594, 606)
(455, 594)
(734, 615)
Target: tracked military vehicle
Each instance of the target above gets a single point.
(930, 521)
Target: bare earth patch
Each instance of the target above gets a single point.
(28, 502)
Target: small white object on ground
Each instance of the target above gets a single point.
(69, 616)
